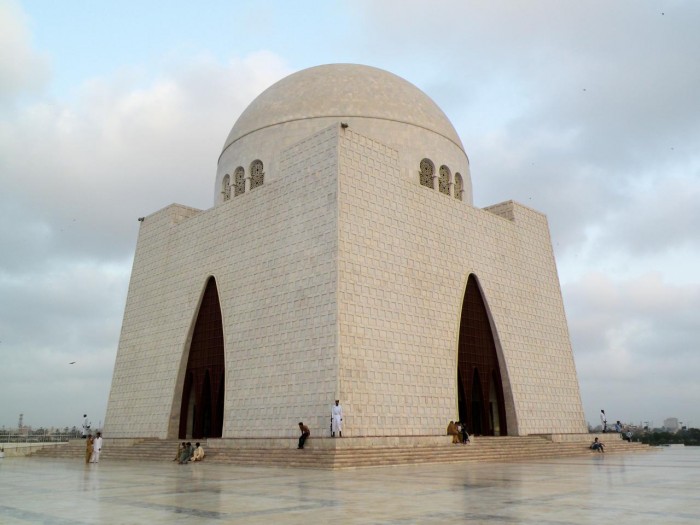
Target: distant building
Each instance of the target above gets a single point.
(343, 259)
(671, 424)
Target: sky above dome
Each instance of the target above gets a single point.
(588, 112)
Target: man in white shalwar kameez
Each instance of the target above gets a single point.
(96, 449)
(86, 426)
(337, 419)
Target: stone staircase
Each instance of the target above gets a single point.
(132, 449)
(506, 449)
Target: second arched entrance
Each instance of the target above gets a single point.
(202, 407)
(480, 389)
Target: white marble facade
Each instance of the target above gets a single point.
(340, 276)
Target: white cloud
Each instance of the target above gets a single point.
(22, 68)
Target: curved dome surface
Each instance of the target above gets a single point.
(343, 90)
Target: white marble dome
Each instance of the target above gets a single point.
(338, 91)
(371, 101)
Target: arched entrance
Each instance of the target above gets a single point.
(202, 407)
(481, 401)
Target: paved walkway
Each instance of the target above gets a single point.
(657, 488)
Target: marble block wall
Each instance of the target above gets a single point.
(272, 253)
(342, 277)
(405, 253)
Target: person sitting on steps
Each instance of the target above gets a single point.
(465, 434)
(452, 431)
(198, 454)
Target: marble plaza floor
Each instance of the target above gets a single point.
(661, 487)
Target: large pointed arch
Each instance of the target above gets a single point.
(201, 407)
(480, 397)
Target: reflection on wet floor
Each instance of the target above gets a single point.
(656, 487)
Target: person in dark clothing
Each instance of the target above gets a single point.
(465, 434)
(186, 453)
(305, 433)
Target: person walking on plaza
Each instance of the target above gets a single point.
(96, 448)
(305, 433)
(337, 415)
(89, 446)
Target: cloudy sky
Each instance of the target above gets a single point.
(587, 111)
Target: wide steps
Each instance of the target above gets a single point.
(503, 449)
(480, 451)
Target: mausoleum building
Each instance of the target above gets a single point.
(343, 258)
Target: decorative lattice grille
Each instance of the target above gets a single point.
(239, 182)
(226, 187)
(257, 176)
(444, 180)
(459, 187)
(427, 169)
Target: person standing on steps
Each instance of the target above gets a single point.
(604, 420)
(86, 426)
(305, 433)
(337, 416)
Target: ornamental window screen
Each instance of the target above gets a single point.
(459, 186)
(444, 180)
(239, 182)
(427, 169)
(226, 187)
(257, 176)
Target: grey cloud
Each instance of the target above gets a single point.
(662, 218)
(635, 344)
(76, 176)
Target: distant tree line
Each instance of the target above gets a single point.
(689, 437)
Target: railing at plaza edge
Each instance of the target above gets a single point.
(38, 438)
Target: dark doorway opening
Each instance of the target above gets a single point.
(480, 396)
(463, 415)
(477, 409)
(219, 416)
(202, 407)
